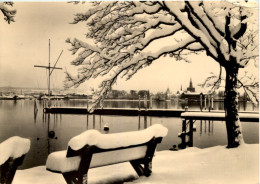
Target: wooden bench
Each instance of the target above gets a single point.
(12, 153)
(74, 164)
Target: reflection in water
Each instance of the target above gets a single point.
(35, 111)
(17, 119)
(208, 127)
(94, 121)
(87, 121)
(145, 122)
(156, 104)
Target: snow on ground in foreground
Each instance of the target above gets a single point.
(192, 165)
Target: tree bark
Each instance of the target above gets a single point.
(233, 126)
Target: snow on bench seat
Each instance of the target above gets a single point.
(13, 147)
(124, 139)
(60, 162)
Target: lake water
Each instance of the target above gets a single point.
(18, 118)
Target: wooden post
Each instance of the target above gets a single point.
(212, 101)
(209, 102)
(151, 102)
(183, 133)
(191, 133)
(201, 102)
(145, 102)
(205, 102)
(139, 102)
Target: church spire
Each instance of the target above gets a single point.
(191, 83)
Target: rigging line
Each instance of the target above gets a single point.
(56, 62)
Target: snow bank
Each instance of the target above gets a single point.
(13, 147)
(213, 165)
(124, 139)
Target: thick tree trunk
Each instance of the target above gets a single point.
(233, 126)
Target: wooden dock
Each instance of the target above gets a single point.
(195, 115)
(220, 116)
(189, 118)
(116, 111)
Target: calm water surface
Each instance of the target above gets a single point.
(18, 118)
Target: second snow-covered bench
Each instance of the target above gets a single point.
(92, 149)
(12, 153)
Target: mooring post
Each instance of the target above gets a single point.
(209, 102)
(191, 133)
(183, 134)
(212, 102)
(205, 102)
(201, 102)
(151, 102)
(139, 102)
(145, 102)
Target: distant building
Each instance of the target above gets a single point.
(143, 93)
(191, 88)
(190, 93)
(168, 94)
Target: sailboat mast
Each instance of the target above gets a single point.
(49, 68)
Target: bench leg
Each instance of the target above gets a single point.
(137, 167)
(148, 168)
(8, 169)
(75, 178)
(145, 170)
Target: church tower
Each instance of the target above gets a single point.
(191, 88)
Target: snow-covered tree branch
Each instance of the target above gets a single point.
(8, 14)
(122, 37)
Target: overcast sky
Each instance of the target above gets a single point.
(24, 44)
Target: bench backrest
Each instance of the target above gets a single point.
(101, 157)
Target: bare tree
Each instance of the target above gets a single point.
(8, 14)
(120, 36)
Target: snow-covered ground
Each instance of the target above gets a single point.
(192, 165)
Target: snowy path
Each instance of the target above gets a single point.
(212, 165)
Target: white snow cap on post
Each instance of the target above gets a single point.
(13, 147)
(124, 139)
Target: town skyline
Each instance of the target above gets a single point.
(25, 44)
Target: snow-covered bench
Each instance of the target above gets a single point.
(92, 149)
(12, 153)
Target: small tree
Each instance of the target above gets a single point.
(121, 34)
(8, 14)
